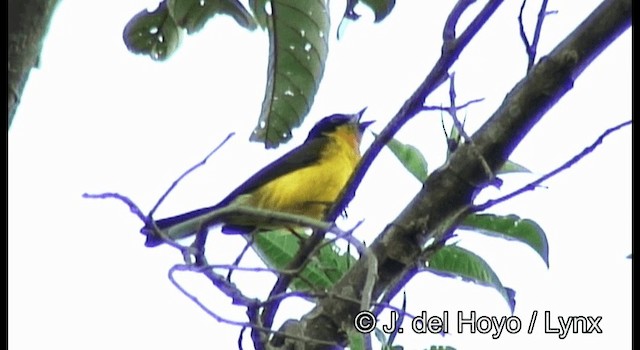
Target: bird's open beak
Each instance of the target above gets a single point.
(362, 126)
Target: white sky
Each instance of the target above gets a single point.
(95, 118)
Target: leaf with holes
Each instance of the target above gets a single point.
(259, 9)
(381, 8)
(152, 33)
(298, 45)
(192, 15)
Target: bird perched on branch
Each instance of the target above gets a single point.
(305, 181)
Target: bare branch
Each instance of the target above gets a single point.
(536, 34)
(449, 31)
(132, 206)
(227, 288)
(453, 111)
(457, 108)
(532, 48)
(523, 34)
(245, 249)
(234, 295)
(532, 186)
(194, 167)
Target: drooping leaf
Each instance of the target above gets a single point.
(456, 262)
(152, 33)
(410, 157)
(510, 227)
(298, 45)
(192, 15)
(277, 248)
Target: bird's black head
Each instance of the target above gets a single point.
(331, 123)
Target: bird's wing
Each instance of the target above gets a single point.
(300, 157)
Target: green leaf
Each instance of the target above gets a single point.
(381, 8)
(277, 248)
(356, 339)
(510, 227)
(298, 44)
(454, 261)
(152, 33)
(410, 157)
(192, 15)
(258, 7)
(511, 167)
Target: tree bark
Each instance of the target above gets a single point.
(28, 24)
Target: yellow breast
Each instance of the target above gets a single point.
(310, 191)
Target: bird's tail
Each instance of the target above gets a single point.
(179, 226)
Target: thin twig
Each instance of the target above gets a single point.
(132, 206)
(532, 48)
(532, 186)
(448, 108)
(236, 262)
(347, 236)
(236, 291)
(460, 127)
(453, 110)
(523, 34)
(536, 34)
(196, 166)
(219, 318)
(449, 31)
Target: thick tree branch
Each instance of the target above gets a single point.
(28, 24)
(448, 194)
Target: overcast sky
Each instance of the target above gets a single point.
(96, 118)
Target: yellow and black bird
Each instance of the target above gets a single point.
(305, 181)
